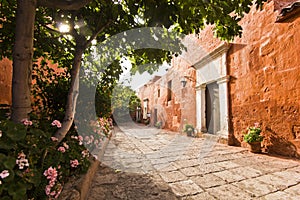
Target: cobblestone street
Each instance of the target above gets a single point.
(142, 163)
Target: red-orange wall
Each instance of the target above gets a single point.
(265, 86)
(5, 81)
(182, 107)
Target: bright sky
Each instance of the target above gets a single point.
(138, 80)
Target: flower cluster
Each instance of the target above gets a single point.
(51, 174)
(106, 125)
(79, 138)
(98, 130)
(63, 148)
(85, 153)
(30, 142)
(74, 163)
(26, 122)
(56, 123)
(22, 161)
(3, 175)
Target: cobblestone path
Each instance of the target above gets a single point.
(143, 163)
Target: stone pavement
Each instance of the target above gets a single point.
(142, 163)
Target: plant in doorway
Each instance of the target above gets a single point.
(189, 130)
(253, 138)
(158, 124)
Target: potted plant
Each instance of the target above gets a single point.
(189, 129)
(158, 124)
(253, 138)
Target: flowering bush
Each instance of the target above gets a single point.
(32, 164)
(95, 132)
(253, 134)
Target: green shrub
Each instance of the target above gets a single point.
(253, 134)
(189, 129)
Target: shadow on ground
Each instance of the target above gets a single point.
(110, 184)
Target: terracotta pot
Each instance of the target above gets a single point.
(189, 133)
(255, 147)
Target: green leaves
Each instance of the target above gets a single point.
(35, 177)
(16, 132)
(253, 135)
(9, 162)
(18, 190)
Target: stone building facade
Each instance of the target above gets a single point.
(167, 101)
(264, 87)
(255, 78)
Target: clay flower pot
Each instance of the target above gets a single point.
(255, 147)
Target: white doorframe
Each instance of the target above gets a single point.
(213, 68)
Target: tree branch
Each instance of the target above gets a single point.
(98, 31)
(72, 95)
(64, 4)
(60, 34)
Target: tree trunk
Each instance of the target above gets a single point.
(72, 95)
(22, 59)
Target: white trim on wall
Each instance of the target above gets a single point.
(213, 68)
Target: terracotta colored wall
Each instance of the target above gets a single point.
(181, 108)
(265, 84)
(5, 81)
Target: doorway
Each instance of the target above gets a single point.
(212, 108)
(155, 116)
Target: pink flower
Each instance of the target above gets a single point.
(22, 161)
(26, 122)
(4, 174)
(256, 124)
(66, 145)
(74, 163)
(74, 137)
(85, 153)
(48, 190)
(61, 149)
(53, 193)
(80, 138)
(0, 133)
(56, 123)
(52, 182)
(50, 173)
(54, 139)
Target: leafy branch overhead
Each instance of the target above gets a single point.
(186, 16)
